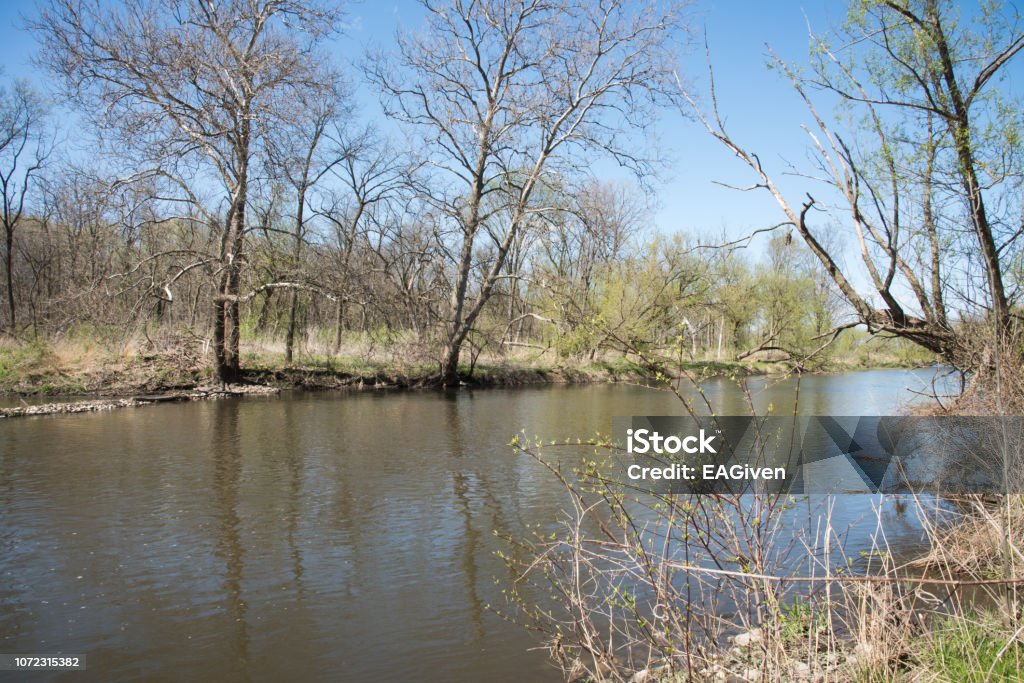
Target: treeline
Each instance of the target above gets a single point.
(227, 190)
(219, 182)
(592, 277)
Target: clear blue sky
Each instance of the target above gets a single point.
(762, 111)
(737, 31)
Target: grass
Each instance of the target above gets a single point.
(81, 364)
(974, 650)
(797, 622)
(21, 359)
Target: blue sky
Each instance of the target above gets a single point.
(687, 198)
(762, 111)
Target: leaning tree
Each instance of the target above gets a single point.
(927, 180)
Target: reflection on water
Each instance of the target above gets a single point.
(315, 537)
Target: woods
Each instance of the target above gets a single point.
(235, 196)
(210, 199)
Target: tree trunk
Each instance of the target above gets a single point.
(721, 332)
(339, 321)
(289, 339)
(261, 319)
(960, 129)
(450, 364)
(9, 258)
(455, 333)
(226, 334)
(219, 320)
(289, 343)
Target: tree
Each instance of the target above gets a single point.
(794, 304)
(24, 149)
(506, 91)
(299, 155)
(598, 224)
(941, 154)
(186, 82)
(371, 175)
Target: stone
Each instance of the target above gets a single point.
(749, 638)
(801, 670)
(641, 676)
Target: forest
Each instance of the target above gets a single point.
(233, 206)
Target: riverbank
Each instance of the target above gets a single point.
(86, 376)
(961, 646)
(147, 383)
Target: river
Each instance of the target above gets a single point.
(317, 536)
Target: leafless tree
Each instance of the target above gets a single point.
(24, 148)
(299, 155)
(370, 175)
(504, 92)
(189, 88)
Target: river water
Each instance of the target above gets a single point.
(324, 536)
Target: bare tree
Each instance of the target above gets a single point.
(371, 174)
(300, 156)
(24, 149)
(932, 164)
(187, 81)
(504, 92)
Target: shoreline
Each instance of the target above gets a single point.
(159, 384)
(271, 382)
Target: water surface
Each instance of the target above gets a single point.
(346, 536)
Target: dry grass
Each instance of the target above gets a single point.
(647, 588)
(88, 364)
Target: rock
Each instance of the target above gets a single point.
(749, 638)
(832, 658)
(641, 676)
(801, 670)
(752, 675)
